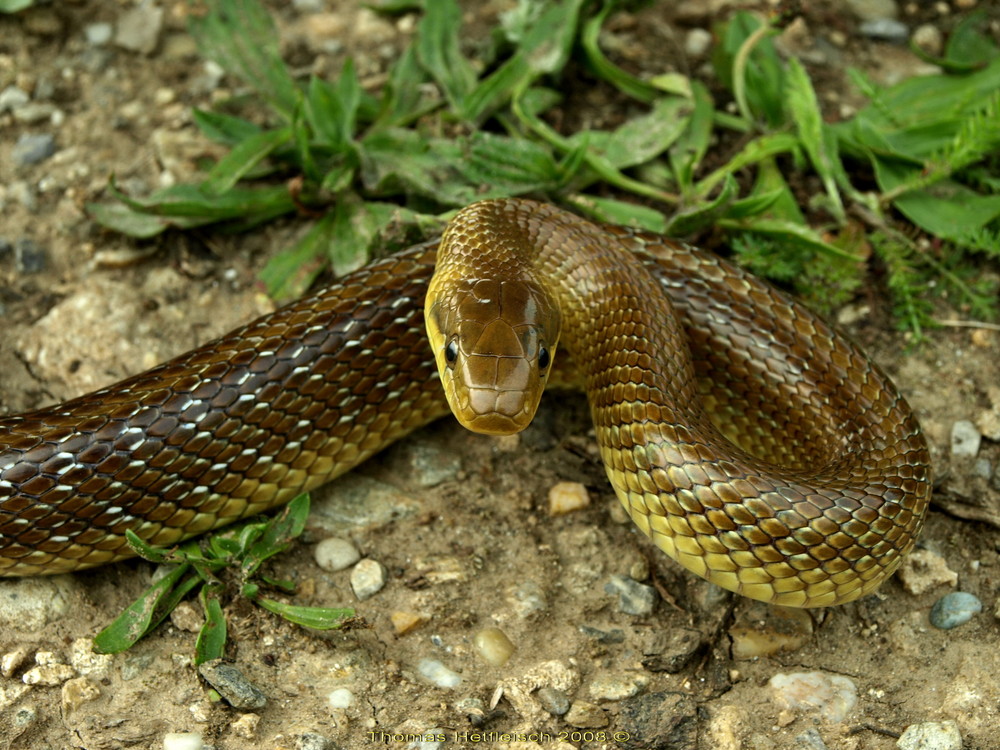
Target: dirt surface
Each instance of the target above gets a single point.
(460, 524)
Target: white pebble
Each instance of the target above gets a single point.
(566, 497)
(341, 698)
(438, 674)
(697, 42)
(831, 695)
(335, 554)
(965, 439)
(98, 34)
(367, 578)
(931, 735)
(183, 741)
(494, 646)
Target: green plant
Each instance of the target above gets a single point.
(242, 550)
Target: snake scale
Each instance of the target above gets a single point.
(751, 441)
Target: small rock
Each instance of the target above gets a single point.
(232, 685)
(12, 661)
(763, 630)
(553, 700)
(494, 646)
(98, 34)
(404, 622)
(567, 497)
(832, 696)
(139, 28)
(633, 598)
(965, 439)
(29, 257)
(526, 599)
(922, 570)
(668, 720)
(616, 687)
(183, 741)
(78, 691)
(982, 468)
(313, 741)
(931, 735)
(472, 708)
(335, 554)
(246, 726)
(810, 740)
(186, 617)
(12, 98)
(615, 635)
(697, 42)
(928, 38)
(340, 698)
(48, 675)
(32, 148)
(431, 465)
(438, 674)
(584, 715)
(954, 609)
(870, 10)
(887, 29)
(367, 578)
(672, 650)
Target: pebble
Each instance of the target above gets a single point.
(98, 34)
(928, 38)
(431, 465)
(494, 646)
(584, 715)
(246, 726)
(887, 29)
(12, 98)
(438, 674)
(139, 28)
(32, 148)
(183, 741)
(954, 609)
(335, 554)
(965, 439)
(553, 700)
(923, 569)
(763, 630)
(526, 599)
(870, 10)
(567, 497)
(78, 691)
(367, 578)
(697, 42)
(634, 598)
(810, 740)
(832, 696)
(232, 685)
(340, 698)
(48, 675)
(29, 257)
(404, 622)
(12, 661)
(671, 650)
(313, 741)
(617, 687)
(931, 735)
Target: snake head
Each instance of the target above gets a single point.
(494, 342)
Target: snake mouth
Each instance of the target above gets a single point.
(494, 424)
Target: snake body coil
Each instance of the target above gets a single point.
(748, 439)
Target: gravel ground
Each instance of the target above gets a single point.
(450, 539)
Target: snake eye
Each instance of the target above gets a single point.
(451, 352)
(544, 359)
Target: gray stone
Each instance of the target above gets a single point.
(810, 740)
(954, 609)
(965, 439)
(553, 700)
(32, 148)
(869, 10)
(29, 257)
(634, 598)
(313, 741)
(12, 98)
(98, 34)
(886, 29)
(139, 28)
(232, 685)
(367, 579)
(335, 554)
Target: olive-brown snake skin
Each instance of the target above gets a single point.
(752, 442)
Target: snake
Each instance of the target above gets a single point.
(746, 437)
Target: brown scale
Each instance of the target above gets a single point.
(777, 461)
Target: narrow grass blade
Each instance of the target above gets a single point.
(317, 618)
(278, 532)
(242, 159)
(438, 50)
(211, 643)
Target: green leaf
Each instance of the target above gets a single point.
(612, 211)
(287, 274)
(224, 128)
(317, 618)
(756, 150)
(690, 148)
(278, 532)
(243, 158)
(625, 82)
(787, 231)
(803, 107)
(126, 220)
(146, 612)
(702, 215)
(645, 137)
(332, 110)
(13, 6)
(241, 37)
(509, 166)
(211, 643)
(438, 50)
